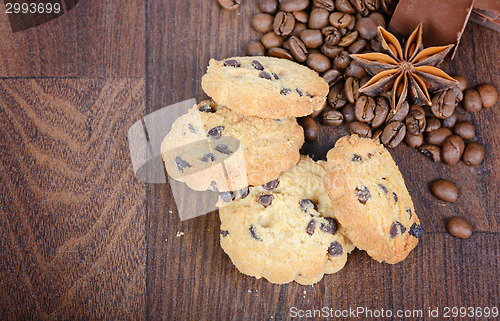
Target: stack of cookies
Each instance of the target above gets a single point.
(286, 217)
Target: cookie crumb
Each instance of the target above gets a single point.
(170, 212)
(179, 234)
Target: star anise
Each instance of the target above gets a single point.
(410, 73)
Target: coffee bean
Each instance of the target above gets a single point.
(416, 230)
(255, 48)
(324, 4)
(335, 249)
(299, 26)
(393, 134)
(227, 196)
(355, 70)
(415, 121)
(399, 115)
(432, 151)
(349, 39)
(310, 128)
(364, 109)
(301, 16)
(452, 120)
(268, 6)
(331, 52)
(489, 95)
(473, 154)
(316, 113)
(332, 76)
(358, 46)
(329, 226)
(340, 19)
(271, 40)
(465, 129)
(293, 5)
(318, 62)
(332, 118)
(376, 135)
(311, 226)
(438, 136)
(318, 18)
(432, 123)
(462, 82)
(360, 129)
(298, 49)
(414, 140)
(280, 53)
(181, 164)
(312, 38)
(472, 101)
(351, 89)
(229, 4)
(262, 22)
(376, 45)
(332, 36)
(443, 104)
(363, 194)
(367, 28)
(283, 24)
(253, 233)
(453, 148)
(348, 112)
(459, 227)
(307, 204)
(344, 6)
(377, 16)
(444, 190)
(381, 111)
(336, 98)
(265, 199)
(232, 63)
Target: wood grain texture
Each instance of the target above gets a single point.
(95, 39)
(72, 215)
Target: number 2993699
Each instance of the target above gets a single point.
(32, 8)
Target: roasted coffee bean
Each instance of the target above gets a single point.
(388, 6)
(377, 17)
(271, 185)
(340, 19)
(316, 113)
(299, 26)
(351, 89)
(307, 204)
(312, 38)
(262, 22)
(311, 226)
(396, 229)
(444, 190)
(223, 148)
(472, 101)
(227, 196)
(349, 39)
(332, 118)
(253, 233)
(451, 121)
(359, 6)
(332, 36)
(376, 45)
(232, 63)
(363, 194)
(293, 5)
(393, 134)
(372, 5)
(489, 95)
(348, 112)
(344, 6)
(331, 52)
(462, 82)
(298, 49)
(473, 154)
(255, 48)
(343, 31)
(360, 129)
(206, 108)
(416, 230)
(310, 128)
(268, 6)
(453, 148)
(432, 123)
(381, 111)
(414, 140)
(364, 109)
(301, 16)
(376, 134)
(438, 136)
(459, 227)
(181, 164)
(330, 226)
(415, 121)
(443, 104)
(367, 28)
(357, 47)
(216, 132)
(465, 129)
(271, 40)
(324, 4)
(283, 24)
(336, 98)
(265, 199)
(352, 25)
(224, 233)
(400, 114)
(335, 249)
(318, 18)
(432, 151)
(280, 53)
(318, 62)
(229, 4)
(332, 76)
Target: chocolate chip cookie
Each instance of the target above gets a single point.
(371, 200)
(265, 87)
(286, 230)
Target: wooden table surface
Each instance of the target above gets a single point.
(82, 238)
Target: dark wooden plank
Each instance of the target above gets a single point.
(72, 214)
(94, 39)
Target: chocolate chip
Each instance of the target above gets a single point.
(223, 148)
(335, 249)
(363, 194)
(227, 196)
(191, 129)
(408, 210)
(216, 132)
(276, 76)
(257, 65)
(213, 186)
(299, 92)
(271, 185)
(231, 63)
(181, 164)
(244, 192)
(330, 226)
(355, 158)
(416, 230)
(206, 108)
(253, 233)
(286, 91)
(396, 227)
(309, 95)
(224, 233)
(395, 197)
(306, 204)
(311, 227)
(265, 199)
(265, 75)
(208, 157)
(383, 188)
